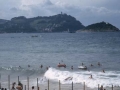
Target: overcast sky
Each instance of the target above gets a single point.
(86, 11)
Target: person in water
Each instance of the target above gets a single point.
(46, 68)
(64, 65)
(82, 64)
(91, 76)
(103, 71)
(91, 65)
(28, 65)
(72, 67)
(99, 64)
(41, 66)
(69, 78)
(85, 68)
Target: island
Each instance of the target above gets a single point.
(99, 27)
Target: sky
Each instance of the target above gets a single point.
(86, 11)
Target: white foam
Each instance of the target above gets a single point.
(66, 77)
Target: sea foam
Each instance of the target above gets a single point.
(108, 78)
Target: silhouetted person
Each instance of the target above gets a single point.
(41, 66)
(19, 66)
(47, 68)
(13, 86)
(32, 87)
(91, 76)
(72, 67)
(28, 65)
(99, 64)
(85, 68)
(101, 88)
(103, 71)
(91, 65)
(64, 65)
(20, 86)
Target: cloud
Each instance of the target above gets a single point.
(14, 9)
(35, 2)
(87, 11)
(100, 11)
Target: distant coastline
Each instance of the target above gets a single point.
(57, 23)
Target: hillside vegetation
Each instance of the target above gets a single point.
(56, 23)
(100, 27)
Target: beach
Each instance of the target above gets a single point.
(55, 86)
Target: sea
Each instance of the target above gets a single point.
(22, 54)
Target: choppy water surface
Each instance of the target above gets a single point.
(17, 51)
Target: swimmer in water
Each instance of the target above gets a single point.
(91, 76)
(41, 66)
(64, 65)
(103, 71)
(85, 68)
(99, 64)
(72, 67)
(82, 64)
(28, 65)
(91, 65)
(46, 68)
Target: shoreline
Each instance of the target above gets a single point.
(55, 86)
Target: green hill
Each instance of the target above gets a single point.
(56, 23)
(100, 27)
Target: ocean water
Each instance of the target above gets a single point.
(22, 55)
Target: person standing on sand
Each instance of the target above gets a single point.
(101, 88)
(20, 86)
(13, 86)
(32, 87)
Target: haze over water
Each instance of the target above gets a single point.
(17, 51)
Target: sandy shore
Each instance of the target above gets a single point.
(56, 86)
